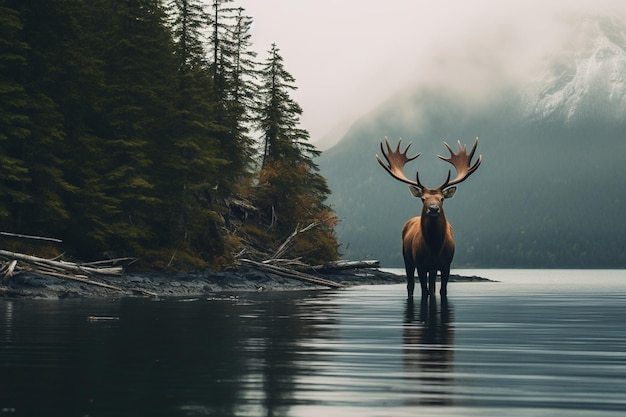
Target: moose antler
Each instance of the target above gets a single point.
(396, 160)
(461, 162)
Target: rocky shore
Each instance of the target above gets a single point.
(38, 286)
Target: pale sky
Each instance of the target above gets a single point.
(350, 56)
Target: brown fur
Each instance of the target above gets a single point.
(428, 246)
(427, 241)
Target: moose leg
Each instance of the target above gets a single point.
(432, 278)
(410, 277)
(445, 274)
(422, 273)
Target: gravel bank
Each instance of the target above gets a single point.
(36, 286)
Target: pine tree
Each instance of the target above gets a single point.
(193, 154)
(86, 155)
(279, 113)
(13, 122)
(291, 192)
(135, 107)
(243, 89)
(55, 82)
(232, 70)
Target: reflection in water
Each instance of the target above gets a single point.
(8, 321)
(163, 358)
(273, 355)
(428, 348)
(513, 349)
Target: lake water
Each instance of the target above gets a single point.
(536, 343)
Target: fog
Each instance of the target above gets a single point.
(349, 56)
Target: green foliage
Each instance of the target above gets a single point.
(13, 122)
(290, 192)
(122, 131)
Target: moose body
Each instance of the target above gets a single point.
(427, 240)
(428, 246)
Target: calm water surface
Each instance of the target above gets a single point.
(536, 343)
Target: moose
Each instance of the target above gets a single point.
(427, 240)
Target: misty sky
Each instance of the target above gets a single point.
(349, 56)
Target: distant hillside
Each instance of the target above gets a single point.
(550, 191)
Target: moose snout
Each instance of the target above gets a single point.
(433, 210)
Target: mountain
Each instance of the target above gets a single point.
(588, 79)
(550, 190)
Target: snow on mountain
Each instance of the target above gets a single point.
(588, 79)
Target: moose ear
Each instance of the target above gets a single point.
(449, 192)
(416, 191)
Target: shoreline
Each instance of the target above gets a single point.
(28, 285)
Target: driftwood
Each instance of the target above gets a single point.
(85, 273)
(291, 273)
(342, 265)
(48, 239)
(282, 249)
(61, 266)
(278, 264)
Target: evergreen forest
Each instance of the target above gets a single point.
(150, 129)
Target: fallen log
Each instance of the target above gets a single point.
(63, 266)
(290, 273)
(47, 239)
(83, 273)
(342, 265)
(124, 262)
